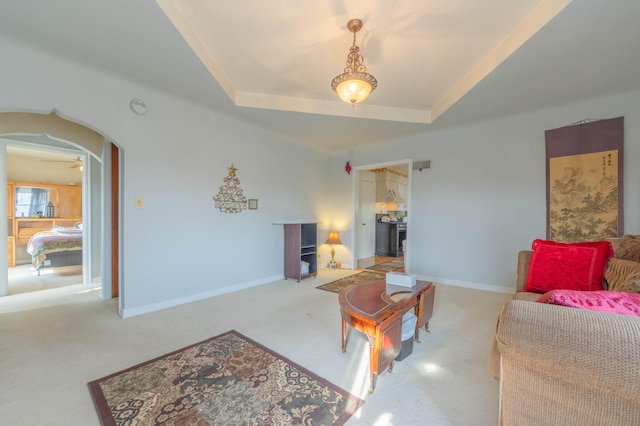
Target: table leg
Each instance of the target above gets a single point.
(344, 334)
(373, 362)
(418, 311)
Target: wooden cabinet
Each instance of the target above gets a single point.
(26, 227)
(11, 250)
(11, 198)
(67, 203)
(300, 250)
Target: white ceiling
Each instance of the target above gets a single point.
(44, 155)
(438, 63)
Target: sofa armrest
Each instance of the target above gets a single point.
(582, 358)
(524, 259)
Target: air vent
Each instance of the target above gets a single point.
(419, 165)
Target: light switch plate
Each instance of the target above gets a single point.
(139, 203)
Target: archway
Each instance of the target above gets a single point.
(60, 131)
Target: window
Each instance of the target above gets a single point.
(30, 201)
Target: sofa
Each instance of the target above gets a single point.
(560, 365)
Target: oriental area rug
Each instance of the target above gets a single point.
(392, 265)
(359, 278)
(226, 380)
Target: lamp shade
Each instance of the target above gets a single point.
(333, 238)
(353, 89)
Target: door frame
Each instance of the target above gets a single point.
(360, 219)
(18, 123)
(355, 189)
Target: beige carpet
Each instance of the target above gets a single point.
(49, 354)
(25, 279)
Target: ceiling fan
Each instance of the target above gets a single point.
(77, 163)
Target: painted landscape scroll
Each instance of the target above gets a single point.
(584, 181)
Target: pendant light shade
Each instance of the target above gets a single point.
(354, 84)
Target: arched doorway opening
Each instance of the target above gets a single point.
(101, 194)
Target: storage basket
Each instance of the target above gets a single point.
(304, 267)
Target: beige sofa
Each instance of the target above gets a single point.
(566, 366)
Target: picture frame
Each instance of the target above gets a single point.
(252, 203)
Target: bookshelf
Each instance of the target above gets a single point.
(300, 245)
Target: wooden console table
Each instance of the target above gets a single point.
(376, 309)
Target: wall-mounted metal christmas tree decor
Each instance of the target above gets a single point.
(230, 198)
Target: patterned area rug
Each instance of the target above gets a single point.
(392, 265)
(360, 277)
(226, 380)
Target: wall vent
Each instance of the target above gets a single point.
(419, 165)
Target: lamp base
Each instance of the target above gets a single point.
(334, 265)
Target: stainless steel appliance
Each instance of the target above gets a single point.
(389, 237)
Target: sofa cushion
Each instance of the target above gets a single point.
(629, 248)
(631, 284)
(614, 302)
(570, 266)
(617, 272)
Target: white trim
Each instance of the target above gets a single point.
(4, 202)
(145, 309)
(355, 191)
(105, 291)
(468, 284)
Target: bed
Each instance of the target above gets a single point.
(59, 246)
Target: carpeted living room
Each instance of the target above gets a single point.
(55, 351)
(459, 141)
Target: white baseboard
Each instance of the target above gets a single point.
(468, 284)
(145, 309)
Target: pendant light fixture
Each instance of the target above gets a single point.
(354, 84)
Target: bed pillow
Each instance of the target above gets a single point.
(569, 266)
(629, 248)
(613, 302)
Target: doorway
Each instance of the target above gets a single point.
(44, 180)
(371, 207)
(98, 216)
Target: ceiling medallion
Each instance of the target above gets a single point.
(354, 84)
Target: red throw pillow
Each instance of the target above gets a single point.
(614, 302)
(570, 266)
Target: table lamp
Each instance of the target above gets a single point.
(333, 239)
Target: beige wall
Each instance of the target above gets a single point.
(53, 126)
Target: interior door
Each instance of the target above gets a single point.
(366, 218)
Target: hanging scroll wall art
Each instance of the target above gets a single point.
(584, 181)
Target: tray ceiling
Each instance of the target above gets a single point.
(425, 55)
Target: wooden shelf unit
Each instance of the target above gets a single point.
(300, 245)
(11, 240)
(11, 251)
(27, 226)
